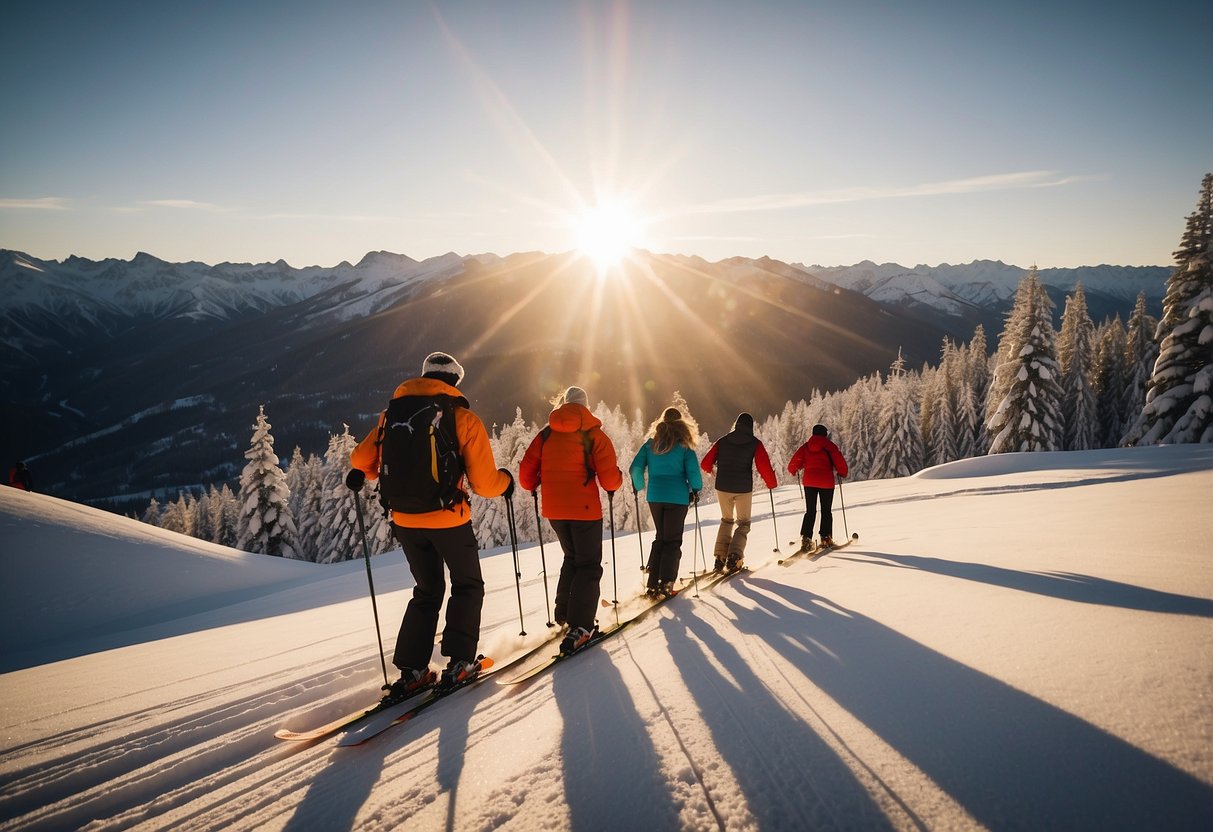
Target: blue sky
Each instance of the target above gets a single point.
(827, 133)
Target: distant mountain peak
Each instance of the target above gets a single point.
(384, 258)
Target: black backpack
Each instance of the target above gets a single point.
(420, 467)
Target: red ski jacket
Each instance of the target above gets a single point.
(819, 458)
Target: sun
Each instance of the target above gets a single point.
(606, 233)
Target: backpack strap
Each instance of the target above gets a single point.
(587, 450)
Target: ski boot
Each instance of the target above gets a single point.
(826, 541)
(458, 673)
(576, 638)
(411, 682)
(734, 564)
(806, 545)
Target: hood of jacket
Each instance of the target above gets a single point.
(572, 417)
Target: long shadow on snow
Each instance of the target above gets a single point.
(604, 739)
(790, 777)
(335, 796)
(1008, 758)
(1069, 586)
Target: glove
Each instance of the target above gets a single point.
(509, 489)
(694, 496)
(355, 479)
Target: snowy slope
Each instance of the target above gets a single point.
(1016, 642)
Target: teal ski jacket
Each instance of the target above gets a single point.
(672, 475)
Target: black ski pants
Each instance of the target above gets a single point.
(578, 589)
(427, 551)
(811, 497)
(666, 553)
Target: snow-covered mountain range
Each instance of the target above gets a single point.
(988, 284)
(119, 379)
(31, 288)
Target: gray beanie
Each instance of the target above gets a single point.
(575, 395)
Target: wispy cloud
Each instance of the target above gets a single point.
(801, 199)
(184, 204)
(713, 238)
(45, 203)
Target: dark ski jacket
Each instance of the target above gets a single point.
(734, 456)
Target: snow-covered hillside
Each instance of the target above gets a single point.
(1015, 642)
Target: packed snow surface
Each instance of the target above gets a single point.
(1015, 642)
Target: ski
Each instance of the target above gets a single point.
(600, 636)
(403, 711)
(798, 553)
(822, 551)
(714, 579)
(341, 722)
(352, 719)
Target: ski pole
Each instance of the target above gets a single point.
(509, 517)
(639, 528)
(366, 554)
(702, 550)
(543, 559)
(843, 504)
(803, 493)
(775, 524)
(614, 576)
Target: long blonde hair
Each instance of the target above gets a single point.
(673, 429)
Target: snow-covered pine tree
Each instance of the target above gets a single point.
(151, 514)
(977, 377)
(379, 535)
(491, 522)
(1108, 381)
(1028, 418)
(1179, 403)
(625, 436)
(201, 518)
(1141, 352)
(265, 525)
(178, 516)
(1005, 359)
(898, 436)
(857, 407)
(790, 433)
(339, 536)
(946, 385)
(1075, 358)
(307, 506)
(225, 516)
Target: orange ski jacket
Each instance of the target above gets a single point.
(570, 463)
